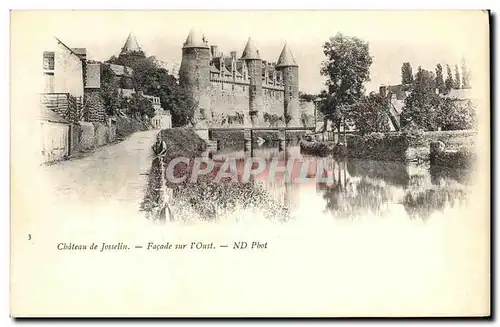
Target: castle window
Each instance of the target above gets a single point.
(289, 69)
(289, 88)
(243, 88)
(233, 87)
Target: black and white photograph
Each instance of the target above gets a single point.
(250, 163)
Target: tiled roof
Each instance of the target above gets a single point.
(250, 51)
(461, 94)
(120, 70)
(195, 40)
(286, 58)
(131, 44)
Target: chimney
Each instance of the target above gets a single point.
(213, 50)
(233, 54)
(383, 90)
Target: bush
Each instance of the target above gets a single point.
(456, 115)
(388, 147)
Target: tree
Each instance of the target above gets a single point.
(406, 74)
(307, 97)
(449, 83)
(109, 90)
(371, 114)
(138, 106)
(347, 67)
(455, 114)
(439, 79)
(456, 82)
(421, 105)
(465, 75)
(150, 77)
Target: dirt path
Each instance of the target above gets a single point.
(113, 176)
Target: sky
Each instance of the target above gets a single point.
(419, 37)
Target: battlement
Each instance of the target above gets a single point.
(247, 83)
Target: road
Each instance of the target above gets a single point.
(109, 180)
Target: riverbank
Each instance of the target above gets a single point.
(205, 198)
(403, 147)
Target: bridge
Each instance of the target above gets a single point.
(207, 133)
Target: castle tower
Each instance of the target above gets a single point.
(194, 73)
(131, 45)
(290, 74)
(254, 66)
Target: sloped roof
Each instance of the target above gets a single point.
(120, 70)
(460, 94)
(49, 115)
(250, 51)
(217, 63)
(286, 58)
(239, 64)
(228, 61)
(195, 40)
(214, 69)
(131, 44)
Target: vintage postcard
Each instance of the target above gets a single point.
(250, 164)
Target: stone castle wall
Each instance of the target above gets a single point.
(230, 98)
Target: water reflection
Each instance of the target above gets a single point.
(358, 187)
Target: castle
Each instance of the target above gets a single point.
(246, 87)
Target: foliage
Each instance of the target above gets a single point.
(347, 67)
(126, 126)
(456, 82)
(456, 115)
(449, 83)
(307, 97)
(406, 74)
(138, 106)
(387, 146)
(207, 197)
(109, 90)
(439, 79)
(237, 118)
(371, 114)
(150, 77)
(421, 105)
(465, 75)
(273, 119)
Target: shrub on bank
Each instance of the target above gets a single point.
(125, 126)
(405, 146)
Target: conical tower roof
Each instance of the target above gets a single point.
(250, 51)
(131, 45)
(286, 58)
(195, 40)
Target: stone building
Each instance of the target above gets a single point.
(245, 86)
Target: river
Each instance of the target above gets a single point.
(358, 187)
